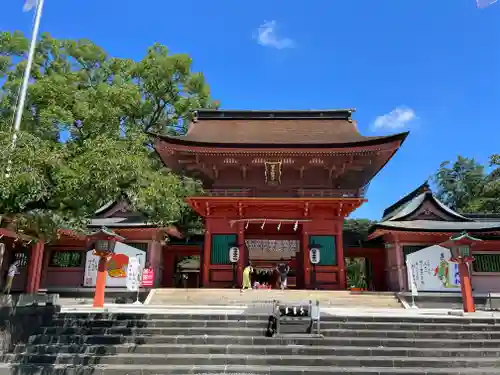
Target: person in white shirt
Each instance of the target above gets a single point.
(13, 271)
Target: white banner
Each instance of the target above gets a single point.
(116, 275)
(133, 273)
(411, 280)
(430, 270)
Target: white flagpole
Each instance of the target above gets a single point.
(27, 72)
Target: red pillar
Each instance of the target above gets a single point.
(34, 267)
(207, 244)
(39, 266)
(306, 264)
(100, 284)
(241, 245)
(466, 286)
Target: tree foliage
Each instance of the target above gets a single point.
(359, 226)
(86, 129)
(469, 187)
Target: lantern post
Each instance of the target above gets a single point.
(103, 243)
(460, 247)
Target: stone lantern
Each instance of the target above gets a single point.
(460, 247)
(103, 244)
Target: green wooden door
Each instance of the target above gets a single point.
(327, 248)
(221, 243)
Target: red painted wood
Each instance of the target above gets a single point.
(39, 266)
(377, 257)
(221, 276)
(466, 287)
(170, 253)
(34, 267)
(100, 284)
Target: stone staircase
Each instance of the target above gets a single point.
(169, 297)
(164, 344)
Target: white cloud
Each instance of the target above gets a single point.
(398, 118)
(266, 36)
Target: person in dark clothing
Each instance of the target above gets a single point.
(283, 268)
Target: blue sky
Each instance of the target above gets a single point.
(429, 66)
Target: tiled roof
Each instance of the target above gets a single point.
(391, 210)
(334, 127)
(484, 217)
(439, 226)
(413, 205)
(398, 217)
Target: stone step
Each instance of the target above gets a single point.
(384, 303)
(257, 360)
(323, 350)
(218, 339)
(256, 331)
(231, 369)
(324, 318)
(259, 323)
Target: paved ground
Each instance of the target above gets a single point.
(235, 297)
(232, 301)
(248, 309)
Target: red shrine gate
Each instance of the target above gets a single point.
(276, 182)
(254, 225)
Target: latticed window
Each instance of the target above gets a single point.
(486, 263)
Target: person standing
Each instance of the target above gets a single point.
(11, 273)
(246, 277)
(283, 268)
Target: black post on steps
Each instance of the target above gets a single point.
(234, 274)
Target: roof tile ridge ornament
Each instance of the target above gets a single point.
(350, 111)
(464, 235)
(195, 117)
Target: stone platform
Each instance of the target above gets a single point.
(166, 297)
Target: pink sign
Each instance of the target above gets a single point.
(148, 276)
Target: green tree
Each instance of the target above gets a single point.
(86, 129)
(359, 226)
(458, 183)
(489, 200)
(467, 186)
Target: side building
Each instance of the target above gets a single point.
(420, 220)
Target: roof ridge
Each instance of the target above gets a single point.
(405, 200)
(317, 114)
(412, 206)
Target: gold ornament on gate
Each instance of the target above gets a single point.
(272, 171)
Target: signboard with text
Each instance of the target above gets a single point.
(117, 266)
(430, 270)
(133, 271)
(148, 276)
